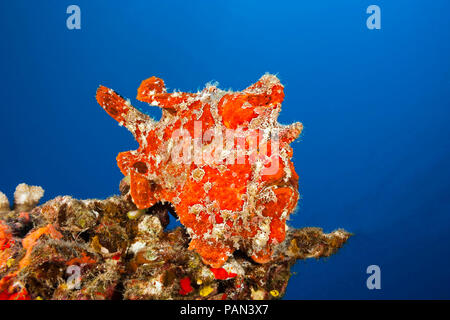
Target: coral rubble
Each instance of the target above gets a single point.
(230, 195)
(109, 249)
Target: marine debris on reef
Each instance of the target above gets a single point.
(93, 249)
(219, 157)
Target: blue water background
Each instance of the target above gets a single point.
(374, 156)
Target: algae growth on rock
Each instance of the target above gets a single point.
(94, 249)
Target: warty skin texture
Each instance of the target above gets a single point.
(228, 196)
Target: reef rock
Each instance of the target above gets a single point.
(94, 249)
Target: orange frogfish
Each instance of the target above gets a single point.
(219, 157)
